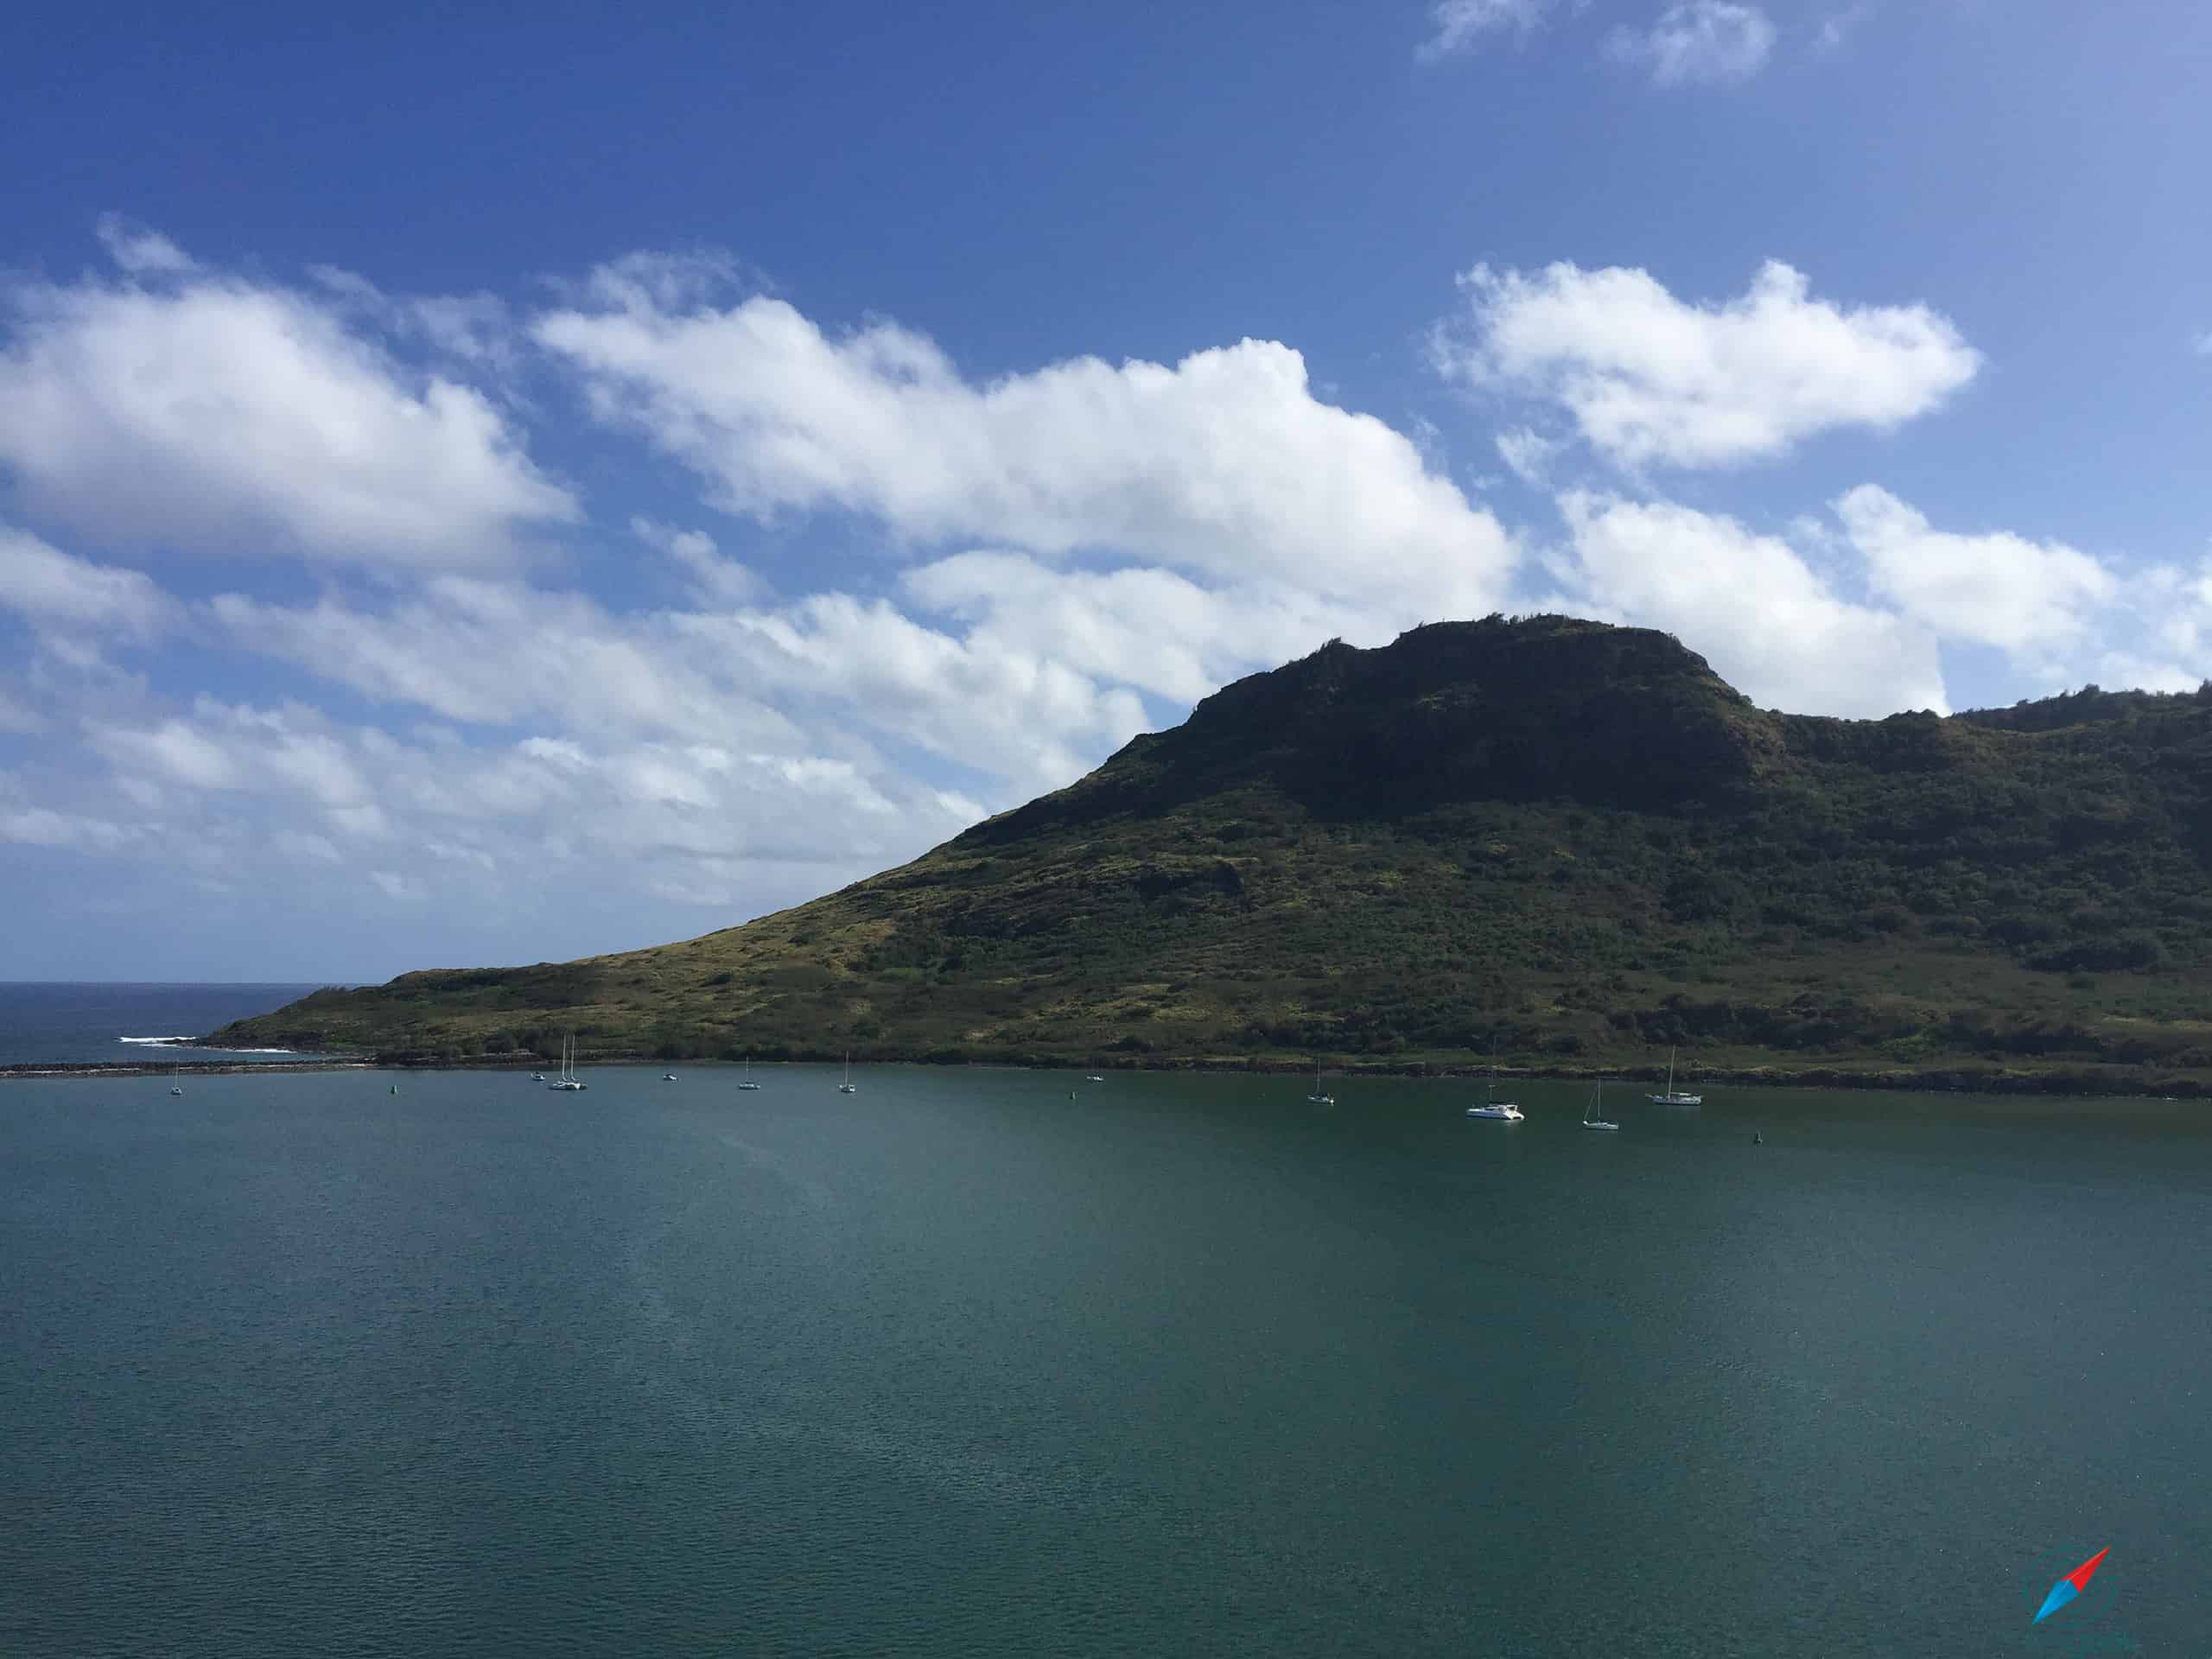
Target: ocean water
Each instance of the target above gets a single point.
(78, 1022)
(960, 1365)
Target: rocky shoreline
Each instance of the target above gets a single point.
(2110, 1083)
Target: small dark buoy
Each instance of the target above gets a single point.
(1757, 1139)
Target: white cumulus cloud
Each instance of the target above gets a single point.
(1837, 27)
(1768, 623)
(1648, 379)
(221, 415)
(1004, 707)
(1528, 454)
(1225, 463)
(825, 671)
(1995, 588)
(1154, 629)
(54, 587)
(39, 826)
(1461, 23)
(500, 653)
(1711, 42)
(715, 578)
(134, 248)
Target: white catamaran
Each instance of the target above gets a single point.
(568, 1079)
(1497, 1110)
(849, 1086)
(1670, 1098)
(1590, 1118)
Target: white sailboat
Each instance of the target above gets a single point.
(1670, 1098)
(746, 1082)
(1590, 1118)
(1320, 1097)
(1493, 1108)
(849, 1086)
(176, 1080)
(568, 1079)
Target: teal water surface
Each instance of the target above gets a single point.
(958, 1365)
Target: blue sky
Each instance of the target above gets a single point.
(472, 492)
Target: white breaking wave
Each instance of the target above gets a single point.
(194, 1042)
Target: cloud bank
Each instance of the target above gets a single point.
(1647, 379)
(456, 691)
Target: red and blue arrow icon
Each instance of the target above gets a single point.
(2071, 1586)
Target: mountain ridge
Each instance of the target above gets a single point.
(1571, 841)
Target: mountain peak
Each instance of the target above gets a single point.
(1500, 709)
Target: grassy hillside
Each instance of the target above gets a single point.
(1569, 841)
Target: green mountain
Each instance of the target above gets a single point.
(1569, 842)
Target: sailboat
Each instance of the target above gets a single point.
(1497, 1110)
(568, 1079)
(747, 1082)
(1320, 1096)
(1670, 1098)
(1590, 1118)
(176, 1080)
(849, 1086)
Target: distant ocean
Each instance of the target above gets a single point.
(46, 1022)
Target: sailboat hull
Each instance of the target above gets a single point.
(1590, 1118)
(1670, 1098)
(568, 1082)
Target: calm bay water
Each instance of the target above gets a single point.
(960, 1366)
(43, 1022)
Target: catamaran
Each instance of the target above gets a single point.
(747, 1082)
(1320, 1097)
(1670, 1098)
(1497, 1110)
(849, 1086)
(1590, 1118)
(568, 1079)
(176, 1080)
